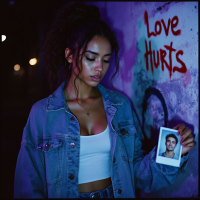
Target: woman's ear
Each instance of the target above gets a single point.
(69, 58)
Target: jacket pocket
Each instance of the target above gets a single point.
(52, 149)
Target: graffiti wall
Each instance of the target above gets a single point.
(159, 73)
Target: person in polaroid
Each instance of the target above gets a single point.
(171, 142)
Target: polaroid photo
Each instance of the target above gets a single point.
(169, 147)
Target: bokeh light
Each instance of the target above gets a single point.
(17, 67)
(33, 61)
(3, 38)
(11, 3)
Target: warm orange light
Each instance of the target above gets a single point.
(33, 61)
(17, 67)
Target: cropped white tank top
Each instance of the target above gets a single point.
(94, 163)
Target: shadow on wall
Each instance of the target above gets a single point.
(154, 116)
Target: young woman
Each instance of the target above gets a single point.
(84, 140)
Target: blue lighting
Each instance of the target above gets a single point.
(11, 2)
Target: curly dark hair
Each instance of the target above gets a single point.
(172, 135)
(74, 27)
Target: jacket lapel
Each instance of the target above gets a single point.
(111, 100)
(56, 101)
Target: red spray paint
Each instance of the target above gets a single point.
(161, 54)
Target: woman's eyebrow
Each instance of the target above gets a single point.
(109, 54)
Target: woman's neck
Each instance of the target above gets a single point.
(84, 91)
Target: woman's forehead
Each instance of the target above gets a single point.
(100, 45)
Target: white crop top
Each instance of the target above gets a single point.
(94, 163)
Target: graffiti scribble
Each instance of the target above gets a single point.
(161, 7)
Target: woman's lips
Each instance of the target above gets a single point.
(96, 78)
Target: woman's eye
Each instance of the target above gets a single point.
(90, 59)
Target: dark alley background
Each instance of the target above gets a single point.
(25, 24)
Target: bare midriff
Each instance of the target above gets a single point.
(94, 186)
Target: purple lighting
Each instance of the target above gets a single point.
(11, 2)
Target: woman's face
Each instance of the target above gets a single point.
(95, 61)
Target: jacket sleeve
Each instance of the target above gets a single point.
(29, 173)
(150, 176)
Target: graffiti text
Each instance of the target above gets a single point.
(161, 53)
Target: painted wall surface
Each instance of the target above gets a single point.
(159, 73)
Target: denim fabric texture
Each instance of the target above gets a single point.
(48, 161)
(105, 193)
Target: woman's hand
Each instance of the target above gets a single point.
(186, 139)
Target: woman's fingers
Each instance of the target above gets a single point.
(185, 134)
(188, 140)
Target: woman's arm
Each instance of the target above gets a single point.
(29, 173)
(149, 175)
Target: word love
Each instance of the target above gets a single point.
(161, 53)
(158, 26)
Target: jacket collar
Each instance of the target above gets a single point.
(58, 102)
(109, 96)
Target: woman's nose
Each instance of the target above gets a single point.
(99, 66)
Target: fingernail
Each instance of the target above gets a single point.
(178, 133)
(181, 139)
(183, 144)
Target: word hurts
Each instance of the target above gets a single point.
(161, 53)
(161, 59)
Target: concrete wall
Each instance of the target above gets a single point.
(159, 73)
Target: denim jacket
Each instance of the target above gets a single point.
(48, 160)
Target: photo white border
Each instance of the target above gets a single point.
(165, 160)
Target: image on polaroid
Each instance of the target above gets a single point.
(169, 147)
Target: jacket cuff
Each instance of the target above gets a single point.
(168, 169)
(184, 161)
